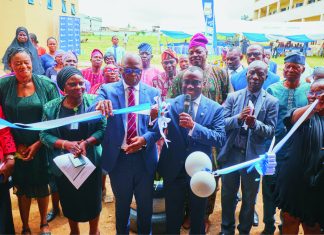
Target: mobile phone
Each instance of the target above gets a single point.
(77, 161)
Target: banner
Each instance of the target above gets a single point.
(208, 7)
(70, 34)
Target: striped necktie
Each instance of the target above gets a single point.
(131, 117)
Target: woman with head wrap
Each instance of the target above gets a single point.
(70, 58)
(22, 40)
(58, 65)
(83, 204)
(109, 58)
(110, 74)
(22, 97)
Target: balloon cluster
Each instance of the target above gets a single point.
(199, 167)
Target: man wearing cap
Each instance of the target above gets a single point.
(254, 52)
(94, 74)
(164, 80)
(250, 119)
(216, 84)
(292, 93)
(149, 72)
(116, 50)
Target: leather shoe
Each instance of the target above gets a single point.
(207, 225)
(255, 219)
(52, 214)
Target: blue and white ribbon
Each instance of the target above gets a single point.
(266, 164)
(40, 126)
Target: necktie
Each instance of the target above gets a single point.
(115, 53)
(191, 110)
(252, 98)
(131, 117)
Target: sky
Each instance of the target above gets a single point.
(184, 15)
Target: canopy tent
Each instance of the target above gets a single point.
(262, 31)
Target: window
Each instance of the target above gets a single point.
(31, 2)
(63, 6)
(73, 12)
(49, 5)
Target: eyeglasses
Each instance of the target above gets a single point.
(315, 93)
(130, 71)
(254, 54)
(192, 82)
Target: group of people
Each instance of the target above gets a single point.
(233, 114)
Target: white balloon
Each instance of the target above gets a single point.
(203, 184)
(197, 161)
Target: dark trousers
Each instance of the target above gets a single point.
(130, 177)
(269, 206)
(175, 194)
(230, 187)
(6, 221)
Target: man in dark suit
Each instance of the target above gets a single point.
(198, 130)
(129, 151)
(244, 144)
(254, 52)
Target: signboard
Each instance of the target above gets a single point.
(208, 7)
(70, 34)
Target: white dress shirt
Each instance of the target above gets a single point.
(196, 103)
(136, 94)
(232, 72)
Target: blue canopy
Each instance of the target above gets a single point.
(256, 37)
(299, 38)
(176, 34)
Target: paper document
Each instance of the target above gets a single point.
(76, 175)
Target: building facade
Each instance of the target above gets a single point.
(41, 17)
(289, 10)
(90, 24)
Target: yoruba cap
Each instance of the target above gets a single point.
(295, 57)
(145, 47)
(169, 53)
(198, 40)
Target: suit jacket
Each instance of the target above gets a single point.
(266, 113)
(209, 131)
(239, 80)
(116, 125)
(95, 129)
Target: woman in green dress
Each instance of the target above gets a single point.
(83, 204)
(22, 97)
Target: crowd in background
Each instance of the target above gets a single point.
(234, 112)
